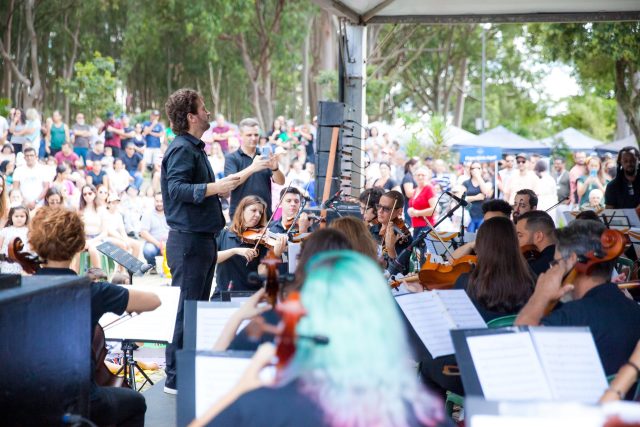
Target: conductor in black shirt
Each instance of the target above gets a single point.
(192, 209)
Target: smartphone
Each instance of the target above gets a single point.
(593, 173)
(266, 152)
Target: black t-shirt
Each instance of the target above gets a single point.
(476, 207)
(388, 185)
(407, 179)
(97, 179)
(131, 163)
(614, 321)
(125, 141)
(236, 268)
(258, 183)
(622, 194)
(94, 157)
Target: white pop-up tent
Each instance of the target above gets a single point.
(575, 140)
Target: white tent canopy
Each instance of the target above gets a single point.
(618, 145)
(576, 140)
(503, 138)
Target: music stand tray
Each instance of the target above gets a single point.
(129, 262)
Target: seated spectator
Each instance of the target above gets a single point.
(67, 156)
(97, 175)
(119, 178)
(62, 182)
(15, 198)
(154, 230)
(95, 228)
(96, 154)
(133, 163)
(596, 201)
(115, 227)
(132, 208)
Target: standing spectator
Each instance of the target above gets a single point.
(97, 175)
(422, 206)
(477, 191)
(408, 185)
(134, 164)
(221, 133)
(546, 192)
(81, 137)
(4, 130)
(96, 154)
(154, 230)
(138, 139)
(297, 176)
(112, 133)
(523, 178)
(306, 139)
(57, 134)
(255, 172)
(18, 130)
(561, 177)
(31, 179)
(128, 131)
(97, 131)
(623, 192)
(119, 178)
(34, 127)
(385, 181)
(596, 179)
(67, 156)
(578, 170)
(505, 174)
(216, 158)
(153, 131)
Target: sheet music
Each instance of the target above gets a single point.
(156, 325)
(461, 309)
(508, 367)
(293, 253)
(216, 376)
(430, 319)
(210, 322)
(571, 363)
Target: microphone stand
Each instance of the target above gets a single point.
(461, 234)
(398, 265)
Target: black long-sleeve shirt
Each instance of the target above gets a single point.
(185, 174)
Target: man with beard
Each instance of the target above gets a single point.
(192, 208)
(624, 190)
(526, 200)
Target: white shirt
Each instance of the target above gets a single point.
(4, 126)
(31, 181)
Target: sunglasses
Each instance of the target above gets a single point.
(383, 208)
(522, 161)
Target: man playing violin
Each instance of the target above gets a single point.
(597, 303)
(526, 200)
(291, 199)
(238, 257)
(392, 239)
(536, 228)
(368, 201)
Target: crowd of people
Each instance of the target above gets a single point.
(224, 201)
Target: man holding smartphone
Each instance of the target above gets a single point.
(255, 171)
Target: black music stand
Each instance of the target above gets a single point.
(125, 259)
(129, 365)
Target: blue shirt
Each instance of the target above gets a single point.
(153, 141)
(183, 181)
(131, 163)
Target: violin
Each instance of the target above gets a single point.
(259, 236)
(530, 252)
(435, 275)
(272, 285)
(401, 228)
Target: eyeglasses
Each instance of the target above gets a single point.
(475, 168)
(383, 208)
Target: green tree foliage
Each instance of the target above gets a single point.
(592, 114)
(605, 55)
(93, 87)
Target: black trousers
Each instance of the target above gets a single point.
(192, 261)
(117, 406)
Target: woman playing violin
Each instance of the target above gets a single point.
(237, 258)
(346, 382)
(422, 206)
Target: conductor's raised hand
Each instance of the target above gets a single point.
(227, 184)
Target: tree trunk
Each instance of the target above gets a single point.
(622, 127)
(6, 72)
(214, 86)
(462, 78)
(628, 94)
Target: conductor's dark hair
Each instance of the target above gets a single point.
(181, 103)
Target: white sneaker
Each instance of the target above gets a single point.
(169, 390)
